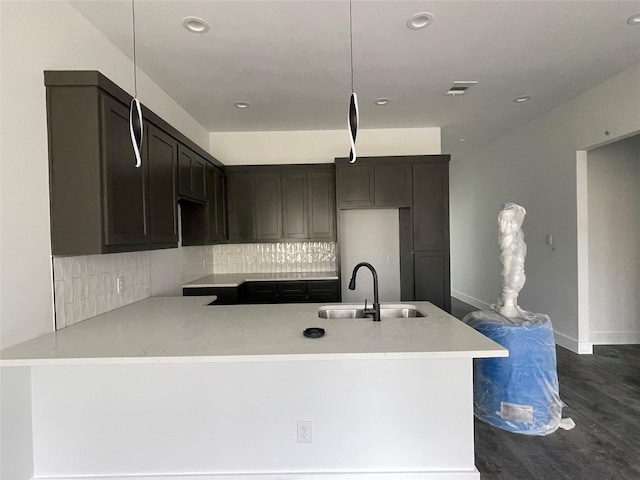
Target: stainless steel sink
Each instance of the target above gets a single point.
(343, 311)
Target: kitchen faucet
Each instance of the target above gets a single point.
(376, 302)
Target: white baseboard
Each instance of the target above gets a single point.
(470, 300)
(427, 475)
(615, 338)
(570, 343)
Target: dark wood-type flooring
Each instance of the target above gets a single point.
(602, 393)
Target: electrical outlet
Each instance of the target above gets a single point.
(304, 431)
(119, 284)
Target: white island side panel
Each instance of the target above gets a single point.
(412, 417)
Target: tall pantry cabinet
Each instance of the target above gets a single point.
(419, 187)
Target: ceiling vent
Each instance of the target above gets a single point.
(460, 86)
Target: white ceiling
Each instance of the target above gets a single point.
(291, 61)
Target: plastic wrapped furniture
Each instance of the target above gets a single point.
(518, 393)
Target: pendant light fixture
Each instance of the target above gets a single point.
(354, 117)
(135, 110)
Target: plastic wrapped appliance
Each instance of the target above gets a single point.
(518, 393)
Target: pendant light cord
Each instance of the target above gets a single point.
(135, 75)
(351, 42)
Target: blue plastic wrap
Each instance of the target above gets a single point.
(518, 393)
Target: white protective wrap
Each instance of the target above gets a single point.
(513, 251)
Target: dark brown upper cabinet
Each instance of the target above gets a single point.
(162, 156)
(240, 193)
(355, 185)
(99, 201)
(125, 211)
(322, 205)
(268, 206)
(295, 205)
(393, 185)
(431, 207)
(276, 202)
(419, 187)
(192, 171)
(205, 224)
(217, 205)
(374, 182)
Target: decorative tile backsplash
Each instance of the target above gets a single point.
(86, 286)
(275, 257)
(195, 262)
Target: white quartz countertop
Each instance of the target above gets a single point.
(236, 279)
(186, 329)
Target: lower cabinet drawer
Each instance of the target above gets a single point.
(259, 292)
(312, 291)
(323, 291)
(292, 288)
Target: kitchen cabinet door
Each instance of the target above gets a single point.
(162, 156)
(240, 187)
(99, 201)
(124, 184)
(268, 206)
(322, 208)
(218, 212)
(431, 270)
(393, 185)
(292, 292)
(216, 229)
(323, 291)
(355, 185)
(295, 215)
(205, 224)
(192, 171)
(430, 207)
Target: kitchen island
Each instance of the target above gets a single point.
(172, 386)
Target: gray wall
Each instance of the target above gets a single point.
(370, 236)
(614, 242)
(536, 166)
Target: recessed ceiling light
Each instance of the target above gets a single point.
(463, 139)
(419, 20)
(634, 19)
(524, 98)
(241, 105)
(382, 101)
(195, 25)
